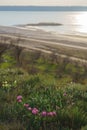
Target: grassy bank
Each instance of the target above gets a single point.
(41, 92)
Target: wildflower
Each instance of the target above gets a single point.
(26, 105)
(44, 113)
(5, 82)
(50, 113)
(29, 108)
(19, 98)
(54, 113)
(35, 111)
(65, 94)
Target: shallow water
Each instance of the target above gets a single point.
(73, 22)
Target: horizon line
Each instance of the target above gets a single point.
(49, 5)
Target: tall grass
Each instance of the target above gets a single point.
(55, 92)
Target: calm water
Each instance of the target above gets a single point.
(73, 22)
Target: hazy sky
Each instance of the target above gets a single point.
(43, 2)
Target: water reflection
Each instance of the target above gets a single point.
(81, 22)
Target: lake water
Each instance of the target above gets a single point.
(73, 22)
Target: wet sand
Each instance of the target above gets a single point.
(37, 39)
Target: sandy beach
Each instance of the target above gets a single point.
(73, 46)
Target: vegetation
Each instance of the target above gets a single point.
(41, 92)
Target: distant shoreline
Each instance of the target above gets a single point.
(43, 8)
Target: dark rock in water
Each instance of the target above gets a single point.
(44, 24)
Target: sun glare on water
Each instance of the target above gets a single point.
(81, 20)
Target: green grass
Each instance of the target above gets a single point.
(44, 84)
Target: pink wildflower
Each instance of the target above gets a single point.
(19, 100)
(26, 105)
(44, 113)
(19, 97)
(35, 111)
(54, 113)
(50, 113)
(65, 94)
(29, 108)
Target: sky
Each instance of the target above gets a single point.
(44, 2)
